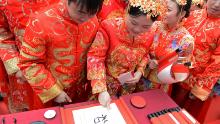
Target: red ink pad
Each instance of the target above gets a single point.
(138, 102)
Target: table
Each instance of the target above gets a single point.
(156, 100)
(210, 111)
(31, 116)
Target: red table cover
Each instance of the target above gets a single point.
(156, 100)
(31, 116)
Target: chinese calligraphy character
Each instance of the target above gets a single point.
(101, 120)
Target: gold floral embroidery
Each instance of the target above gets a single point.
(96, 73)
(96, 70)
(198, 55)
(151, 7)
(197, 2)
(128, 58)
(99, 86)
(115, 14)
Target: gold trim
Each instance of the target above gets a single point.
(33, 80)
(6, 46)
(11, 65)
(60, 84)
(99, 86)
(50, 94)
(23, 54)
(31, 71)
(200, 93)
(35, 49)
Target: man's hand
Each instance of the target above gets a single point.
(20, 77)
(153, 64)
(62, 98)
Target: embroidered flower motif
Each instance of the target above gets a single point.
(152, 7)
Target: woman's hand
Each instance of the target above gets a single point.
(104, 99)
(137, 77)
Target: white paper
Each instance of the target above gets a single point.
(98, 115)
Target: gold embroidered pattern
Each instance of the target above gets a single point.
(49, 94)
(11, 65)
(128, 58)
(115, 14)
(99, 86)
(181, 2)
(197, 2)
(152, 7)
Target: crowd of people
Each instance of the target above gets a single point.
(55, 52)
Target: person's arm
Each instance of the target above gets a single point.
(32, 62)
(96, 67)
(8, 49)
(141, 67)
(205, 81)
(96, 62)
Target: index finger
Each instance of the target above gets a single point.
(108, 104)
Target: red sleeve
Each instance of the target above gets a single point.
(96, 62)
(32, 58)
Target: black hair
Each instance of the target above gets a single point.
(135, 11)
(92, 6)
(184, 8)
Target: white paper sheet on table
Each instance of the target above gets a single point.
(98, 115)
